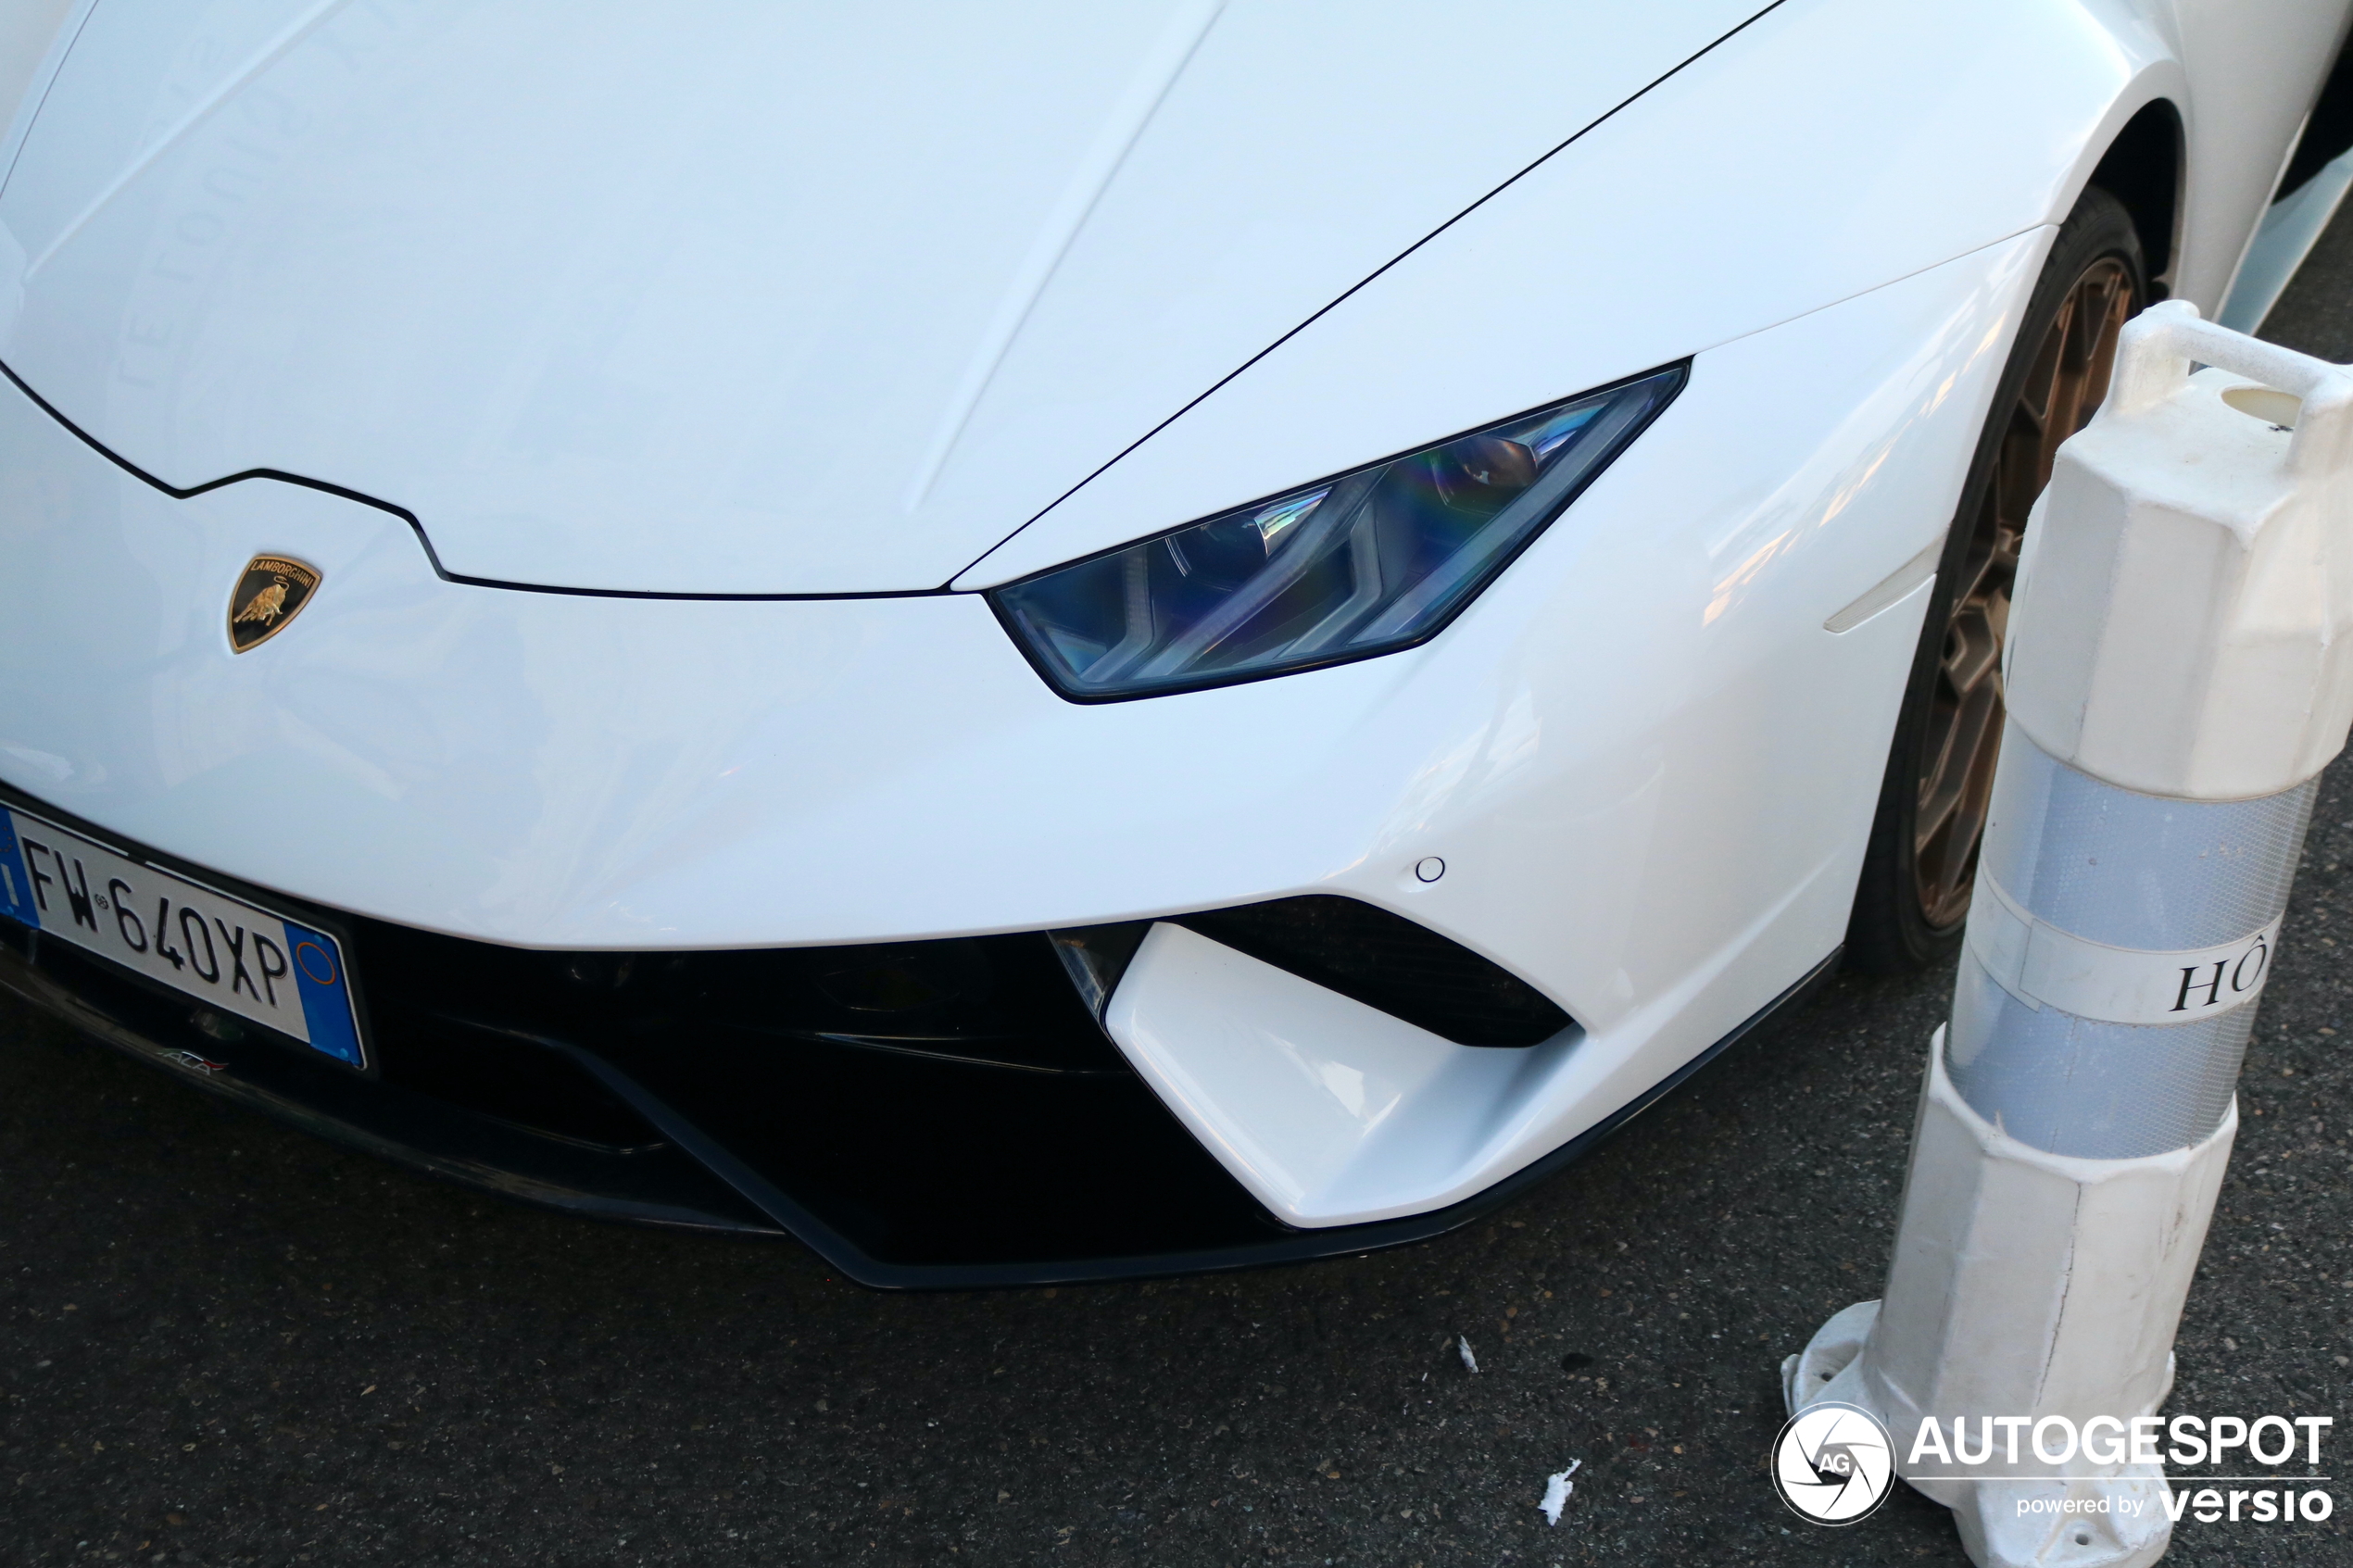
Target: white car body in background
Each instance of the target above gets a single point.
(691, 356)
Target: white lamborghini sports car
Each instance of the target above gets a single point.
(1056, 640)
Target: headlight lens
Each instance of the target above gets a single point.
(1362, 564)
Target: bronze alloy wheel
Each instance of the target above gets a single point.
(2064, 382)
(1921, 860)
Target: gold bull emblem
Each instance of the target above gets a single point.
(270, 592)
(266, 606)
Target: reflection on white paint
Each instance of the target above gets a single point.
(1347, 1086)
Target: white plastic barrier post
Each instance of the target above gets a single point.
(2180, 670)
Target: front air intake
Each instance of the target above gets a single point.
(1386, 961)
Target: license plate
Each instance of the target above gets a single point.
(235, 957)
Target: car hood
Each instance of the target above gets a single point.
(740, 298)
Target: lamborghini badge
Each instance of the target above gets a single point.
(270, 592)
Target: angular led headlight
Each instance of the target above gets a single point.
(1362, 564)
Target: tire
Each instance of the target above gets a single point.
(1913, 895)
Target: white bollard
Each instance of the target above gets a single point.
(2180, 669)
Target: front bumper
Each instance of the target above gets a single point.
(1003, 1143)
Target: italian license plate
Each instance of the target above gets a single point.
(237, 958)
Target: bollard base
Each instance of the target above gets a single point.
(2116, 1521)
(1809, 1377)
(2024, 1285)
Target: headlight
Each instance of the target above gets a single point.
(1362, 564)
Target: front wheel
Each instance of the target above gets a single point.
(1921, 861)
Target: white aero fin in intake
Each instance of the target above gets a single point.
(1332, 1112)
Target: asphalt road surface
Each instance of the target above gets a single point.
(222, 1342)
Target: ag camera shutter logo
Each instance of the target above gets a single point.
(1833, 1463)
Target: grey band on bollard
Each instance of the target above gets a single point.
(2116, 948)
